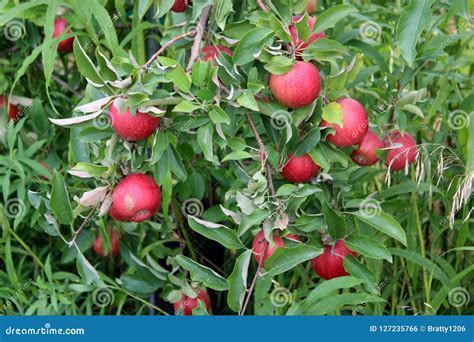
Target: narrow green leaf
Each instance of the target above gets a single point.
(60, 203)
(202, 274)
(238, 281)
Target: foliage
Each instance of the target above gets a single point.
(408, 62)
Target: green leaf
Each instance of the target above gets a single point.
(238, 281)
(218, 115)
(143, 7)
(413, 19)
(237, 155)
(284, 259)
(250, 45)
(185, 107)
(332, 113)
(331, 304)
(308, 142)
(279, 65)
(222, 10)
(335, 222)
(87, 271)
(84, 63)
(60, 203)
(332, 16)
(204, 139)
(176, 74)
(383, 222)
(247, 100)
(368, 246)
(324, 289)
(49, 51)
(202, 274)
(217, 232)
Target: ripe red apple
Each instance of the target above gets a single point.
(330, 264)
(136, 198)
(181, 5)
(298, 44)
(259, 244)
(311, 6)
(355, 124)
(186, 304)
(297, 88)
(115, 240)
(13, 112)
(300, 169)
(212, 52)
(398, 157)
(365, 153)
(130, 127)
(60, 26)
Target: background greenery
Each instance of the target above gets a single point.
(408, 62)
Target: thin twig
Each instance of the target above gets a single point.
(164, 47)
(78, 231)
(200, 28)
(261, 147)
(262, 6)
(255, 277)
(263, 154)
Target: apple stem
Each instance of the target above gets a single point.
(200, 28)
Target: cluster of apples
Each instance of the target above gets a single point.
(328, 265)
(301, 85)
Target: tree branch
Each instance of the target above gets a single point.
(262, 6)
(255, 277)
(261, 147)
(200, 28)
(78, 231)
(164, 47)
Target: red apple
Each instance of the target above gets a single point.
(259, 244)
(311, 6)
(114, 251)
(60, 26)
(212, 52)
(186, 304)
(365, 153)
(330, 264)
(136, 198)
(130, 127)
(300, 169)
(181, 5)
(398, 157)
(355, 124)
(297, 88)
(298, 44)
(13, 112)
